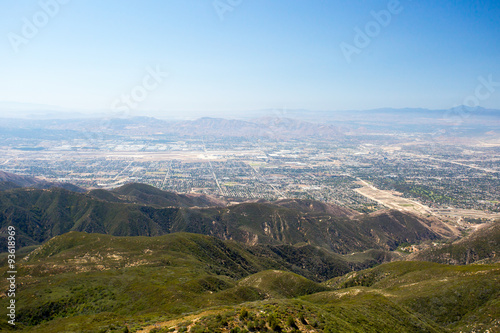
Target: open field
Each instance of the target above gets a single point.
(392, 200)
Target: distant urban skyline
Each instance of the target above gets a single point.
(202, 57)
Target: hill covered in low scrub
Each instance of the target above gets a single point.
(142, 210)
(183, 282)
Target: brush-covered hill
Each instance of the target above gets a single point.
(8, 185)
(482, 245)
(312, 206)
(316, 264)
(268, 223)
(9, 181)
(149, 195)
(141, 210)
(458, 298)
(182, 282)
(394, 297)
(281, 284)
(77, 276)
(39, 215)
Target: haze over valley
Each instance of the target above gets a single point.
(265, 210)
(233, 166)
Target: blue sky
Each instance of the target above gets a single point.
(237, 55)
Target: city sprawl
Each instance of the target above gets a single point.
(363, 170)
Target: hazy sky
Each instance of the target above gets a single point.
(249, 54)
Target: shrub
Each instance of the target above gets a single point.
(276, 327)
(198, 329)
(243, 314)
(291, 323)
(251, 327)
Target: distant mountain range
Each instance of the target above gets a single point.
(51, 112)
(289, 125)
(268, 127)
(214, 127)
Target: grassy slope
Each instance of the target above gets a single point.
(91, 282)
(89, 274)
(280, 284)
(482, 245)
(451, 296)
(150, 195)
(394, 297)
(39, 215)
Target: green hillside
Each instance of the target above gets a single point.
(142, 210)
(80, 282)
(394, 297)
(455, 297)
(144, 260)
(280, 284)
(152, 196)
(7, 185)
(39, 215)
(76, 276)
(480, 246)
